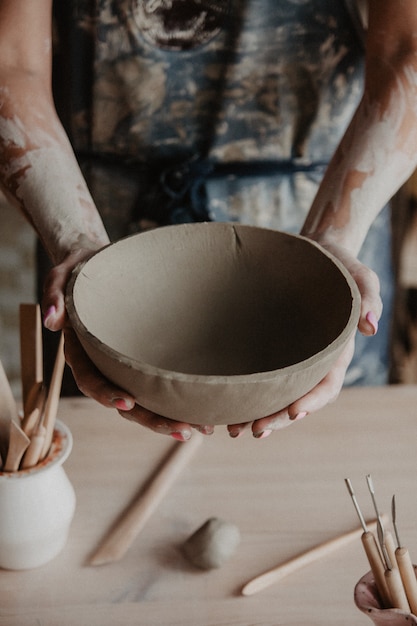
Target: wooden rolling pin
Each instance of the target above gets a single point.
(137, 514)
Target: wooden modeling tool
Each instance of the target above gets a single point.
(392, 575)
(8, 413)
(388, 538)
(289, 567)
(404, 564)
(34, 450)
(35, 407)
(372, 552)
(52, 399)
(31, 354)
(18, 443)
(134, 518)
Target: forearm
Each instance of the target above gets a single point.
(39, 172)
(370, 165)
(379, 150)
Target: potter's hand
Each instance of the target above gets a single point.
(93, 384)
(88, 378)
(329, 388)
(53, 299)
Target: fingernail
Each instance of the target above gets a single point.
(123, 405)
(263, 434)
(372, 320)
(299, 416)
(51, 312)
(235, 433)
(181, 436)
(206, 430)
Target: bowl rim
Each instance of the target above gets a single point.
(156, 371)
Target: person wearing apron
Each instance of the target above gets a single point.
(192, 110)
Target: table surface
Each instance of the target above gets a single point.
(286, 493)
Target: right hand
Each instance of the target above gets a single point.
(88, 378)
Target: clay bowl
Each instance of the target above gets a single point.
(213, 323)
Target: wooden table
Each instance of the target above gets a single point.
(286, 493)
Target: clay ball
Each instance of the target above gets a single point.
(211, 545)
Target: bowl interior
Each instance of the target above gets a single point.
(212, 299)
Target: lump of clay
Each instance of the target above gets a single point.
(212, 544)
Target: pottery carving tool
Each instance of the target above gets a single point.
(18, 443)
(52, 399)
(33, 452)
(372, 552)
(31, 353)
(405, 565)
(388, 538)
(34, 407)
(392, 575)
(134, 518)
(289, 567)
(8, 413)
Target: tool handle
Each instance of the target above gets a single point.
(390, 547)
(322, 550)
(34, 450)
(52, 398)
(408, 576)
(396, 590)
(377, 566)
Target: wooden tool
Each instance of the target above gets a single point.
(372, 552)
(8, 413)
(134, 518)
(395, 586)
(34, 407)
(52, 399)
(34, 450)
(18, 443)
(405, 565)
(289, 567)
(31, 354)
(387, 535)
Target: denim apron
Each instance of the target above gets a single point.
(195, 110)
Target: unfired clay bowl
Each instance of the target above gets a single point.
(213, 323)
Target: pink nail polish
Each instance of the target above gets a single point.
(299, 416)
(180, 436)
(235, 434)
(121, 404)
(372, 320)
(262, 435)
(51, 312)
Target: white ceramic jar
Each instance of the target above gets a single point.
(36, 508)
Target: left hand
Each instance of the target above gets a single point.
(329, 388)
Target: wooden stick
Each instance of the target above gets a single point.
(31, 355)
(35, 402)
(396, 590)
(377, 566)
(278, 573)
(30, 421)
(134, 518)
(34, 450)
(18, 443)
(408, 576)
(52, 399)
(8, 412)
(390, 547)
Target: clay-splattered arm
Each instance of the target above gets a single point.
(379, 150)
(38, 169)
